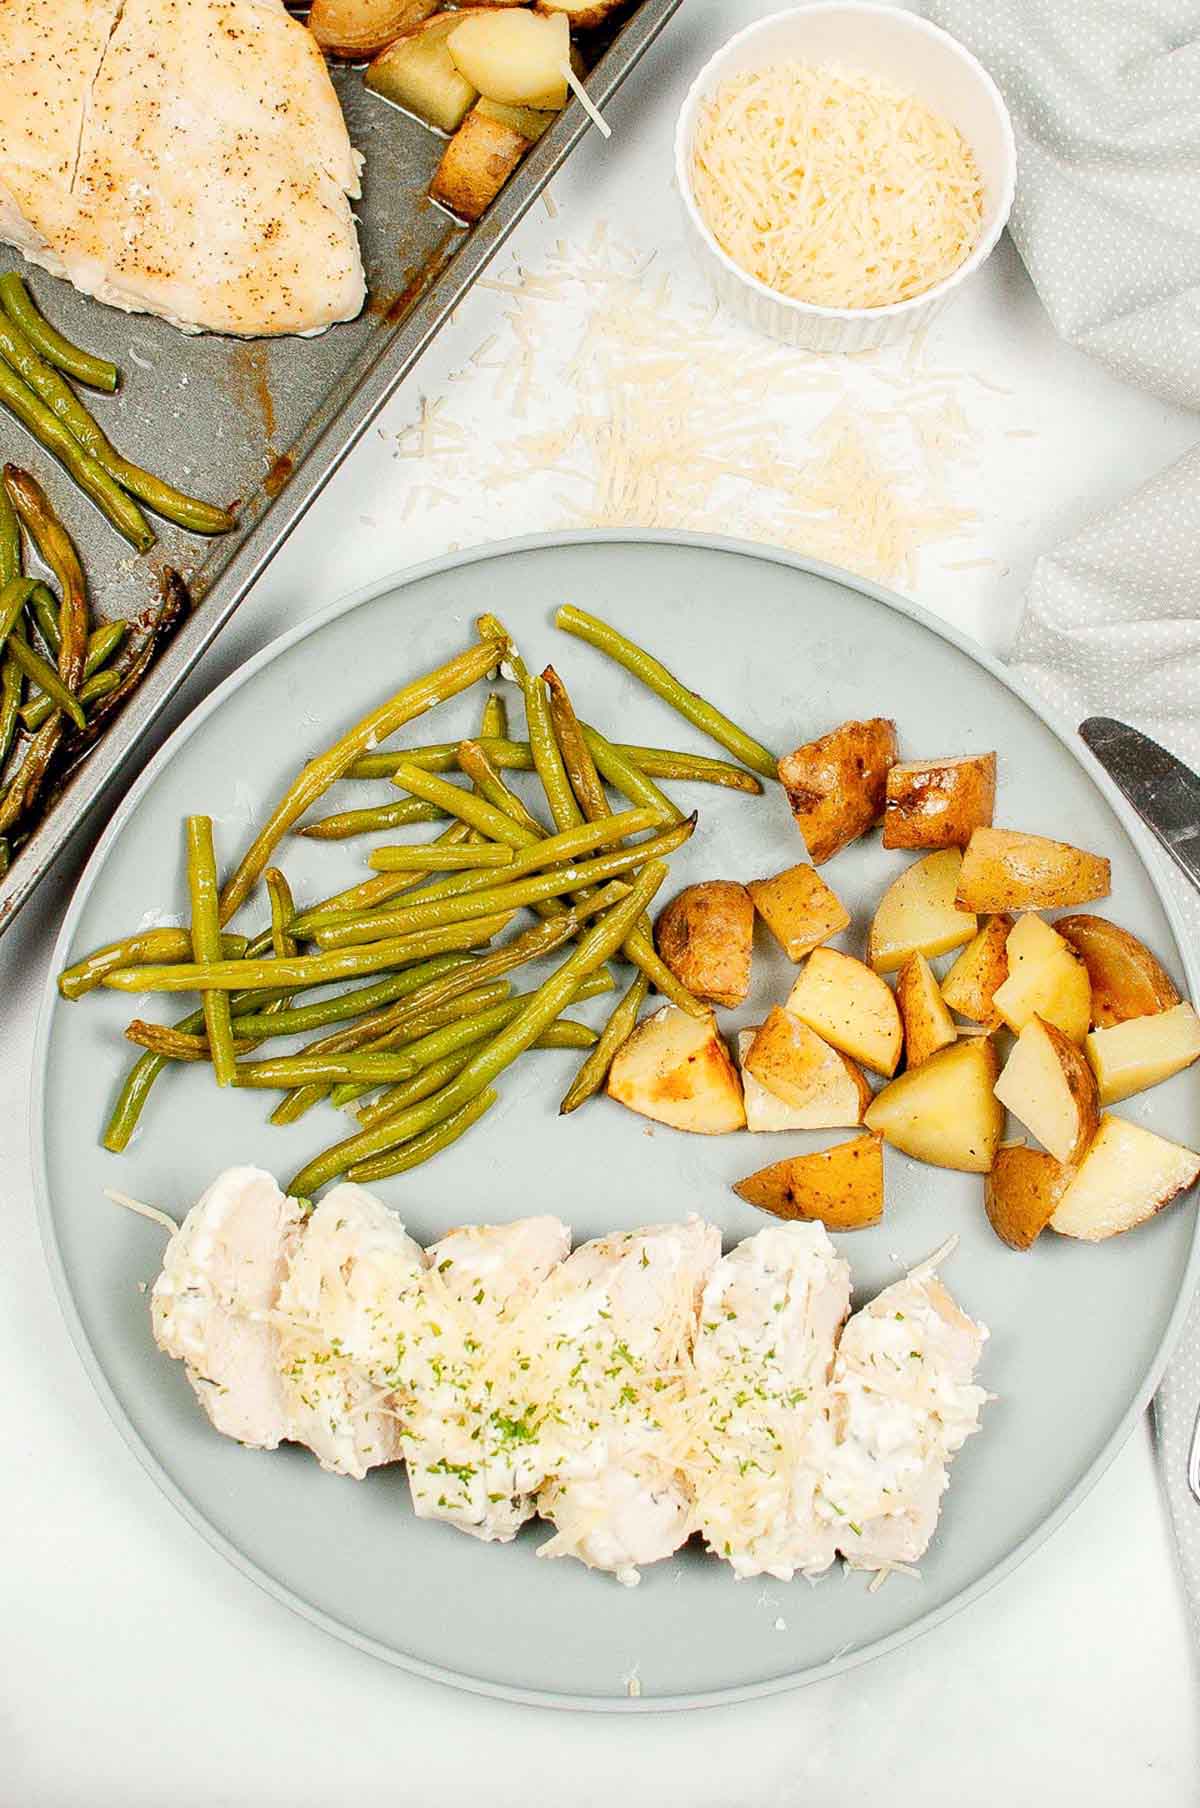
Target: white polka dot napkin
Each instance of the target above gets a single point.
(1112, 627)
(1105, 102)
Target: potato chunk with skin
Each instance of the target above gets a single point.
(1004, 869)
(799, 909)
(1127, 980)
(676, 1070)
(945, 1111)
(705, 935)
(851, 1007)
(1049, 1086)
(1046, 979)
(584, 15)
(514, 56)
(840, 1096)
(1021, 1194)
(928, 1025)
(835, 785)
(938, 803)
(475, 165)
(417, 73)
(1143, 1051)
(789, 1059)
(1126, 1176)
(981, 969)
(842, 1186)
(354, 29)
(917, 914)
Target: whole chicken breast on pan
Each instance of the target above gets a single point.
(186, 158)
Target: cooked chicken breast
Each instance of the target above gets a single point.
(601, 1405)
(212, 1304)
(903, 1403)
(180, 157)
(768, 1325)
(344, 1316)
(483, 1282)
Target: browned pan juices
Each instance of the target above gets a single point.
(261, 425)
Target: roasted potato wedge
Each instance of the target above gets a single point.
(1126, 1176)
(1127, 980)
(528, 121)
(1128, 1057)
(981, 969)
(1022, 1192)
(584, 15)
(705, 935)
(928, 1025)
(799, 909)
(944, 1112)
(676, 1069)
(475, 165)
(1004, 869)
(917, 914)
(417, 73)
(514, 56)
(938, 803)
(1046, 978)
(836, 784)
(849, 1006)
(356, 29)
(838, 1100)
(1048, 1085)
(841, 1187)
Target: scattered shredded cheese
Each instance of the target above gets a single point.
(143, 1211)
(585, 100)
(834, 186)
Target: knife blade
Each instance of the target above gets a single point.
(1164, 792)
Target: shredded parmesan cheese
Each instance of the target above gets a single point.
(585, 100)
(143, 1211)
(835, 187)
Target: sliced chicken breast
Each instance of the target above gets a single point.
(482, 1283)
(600, 1405)
(345, 1316)
(761, 1434)
(186, 158)
(212, 1305)
(904, 1401)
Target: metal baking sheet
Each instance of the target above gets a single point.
(269, 420)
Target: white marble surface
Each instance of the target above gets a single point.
(139, 1669)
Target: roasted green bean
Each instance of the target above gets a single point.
(118, 508)
(421, 1148)
(627, 778)
(413, 700)
(549, 850)
(461, 907)
(620, 1026)
(585, 781)
(40, 708)
(41, 673)
(43, 379)
(594, 948)
(57, 548)
(311, 969)
(206, 944)
(655, 676)
(487, 781)
(159, 946)
(299, 1019)
(85, 367)
(514, 756)
(10, 540)
(11, 681)
(430, 858)
(344, 824)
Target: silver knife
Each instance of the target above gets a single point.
(1166, 795)
(1164, 792)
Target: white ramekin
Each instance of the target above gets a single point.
(915, 55)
